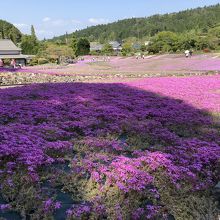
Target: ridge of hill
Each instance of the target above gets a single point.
(9, 31)
(199, 19)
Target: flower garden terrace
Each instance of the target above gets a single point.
(168, 63)
(112, 151)
(98, 69)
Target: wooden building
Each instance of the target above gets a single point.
(95, 46)
(116, 46)
(8, 50)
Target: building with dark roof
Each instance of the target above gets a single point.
(95, 46)
(115, 45)
(8, 50)
(136, 46)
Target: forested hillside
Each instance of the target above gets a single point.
(9, 31)
(199, 20)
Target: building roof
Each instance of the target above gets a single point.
(136, 46)
(95, 46)
(115, 44)
(8, 45)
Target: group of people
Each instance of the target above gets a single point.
(188, 53)
(141, 56)
(104, 58)
(12, 63)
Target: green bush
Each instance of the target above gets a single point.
(7, 62)
(52, 60)
(124, 53)
(33, 62)
(42, 61)
(95, 53)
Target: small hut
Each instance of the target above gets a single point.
(8, 50)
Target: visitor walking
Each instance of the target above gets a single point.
(187, 53)
(1, 63)
(13, 63)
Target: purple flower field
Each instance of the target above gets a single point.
(114, 151)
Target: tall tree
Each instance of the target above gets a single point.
(73, 44)
(33, 34)
(2, 32)
(29, 43)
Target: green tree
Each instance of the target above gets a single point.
(112, 36)
(9, 31)
(186, 41)
(155, 47)
(55, 51)
(204, 43)
(2, 32)
(73, 44)
(33, 34)
(107, 49)
(13, 35)
(126, 49)
(82, 47)
(143, 48)
(165, 41)
(215, 31)
(29, 43)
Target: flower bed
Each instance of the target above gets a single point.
(200, 91)
(114, 69)
(117, 151)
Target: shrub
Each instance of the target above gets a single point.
(42, 61)
(33, 62)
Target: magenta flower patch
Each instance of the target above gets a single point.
(115, 149)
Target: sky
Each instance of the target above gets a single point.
(53, 18)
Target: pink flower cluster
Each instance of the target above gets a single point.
(200, 91)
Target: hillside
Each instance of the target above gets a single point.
(199, 19)
(8, 30)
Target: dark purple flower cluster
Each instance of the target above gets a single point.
(4, 207)
(49, 205)
(79, 211)
(148, 212)
(116, 135)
